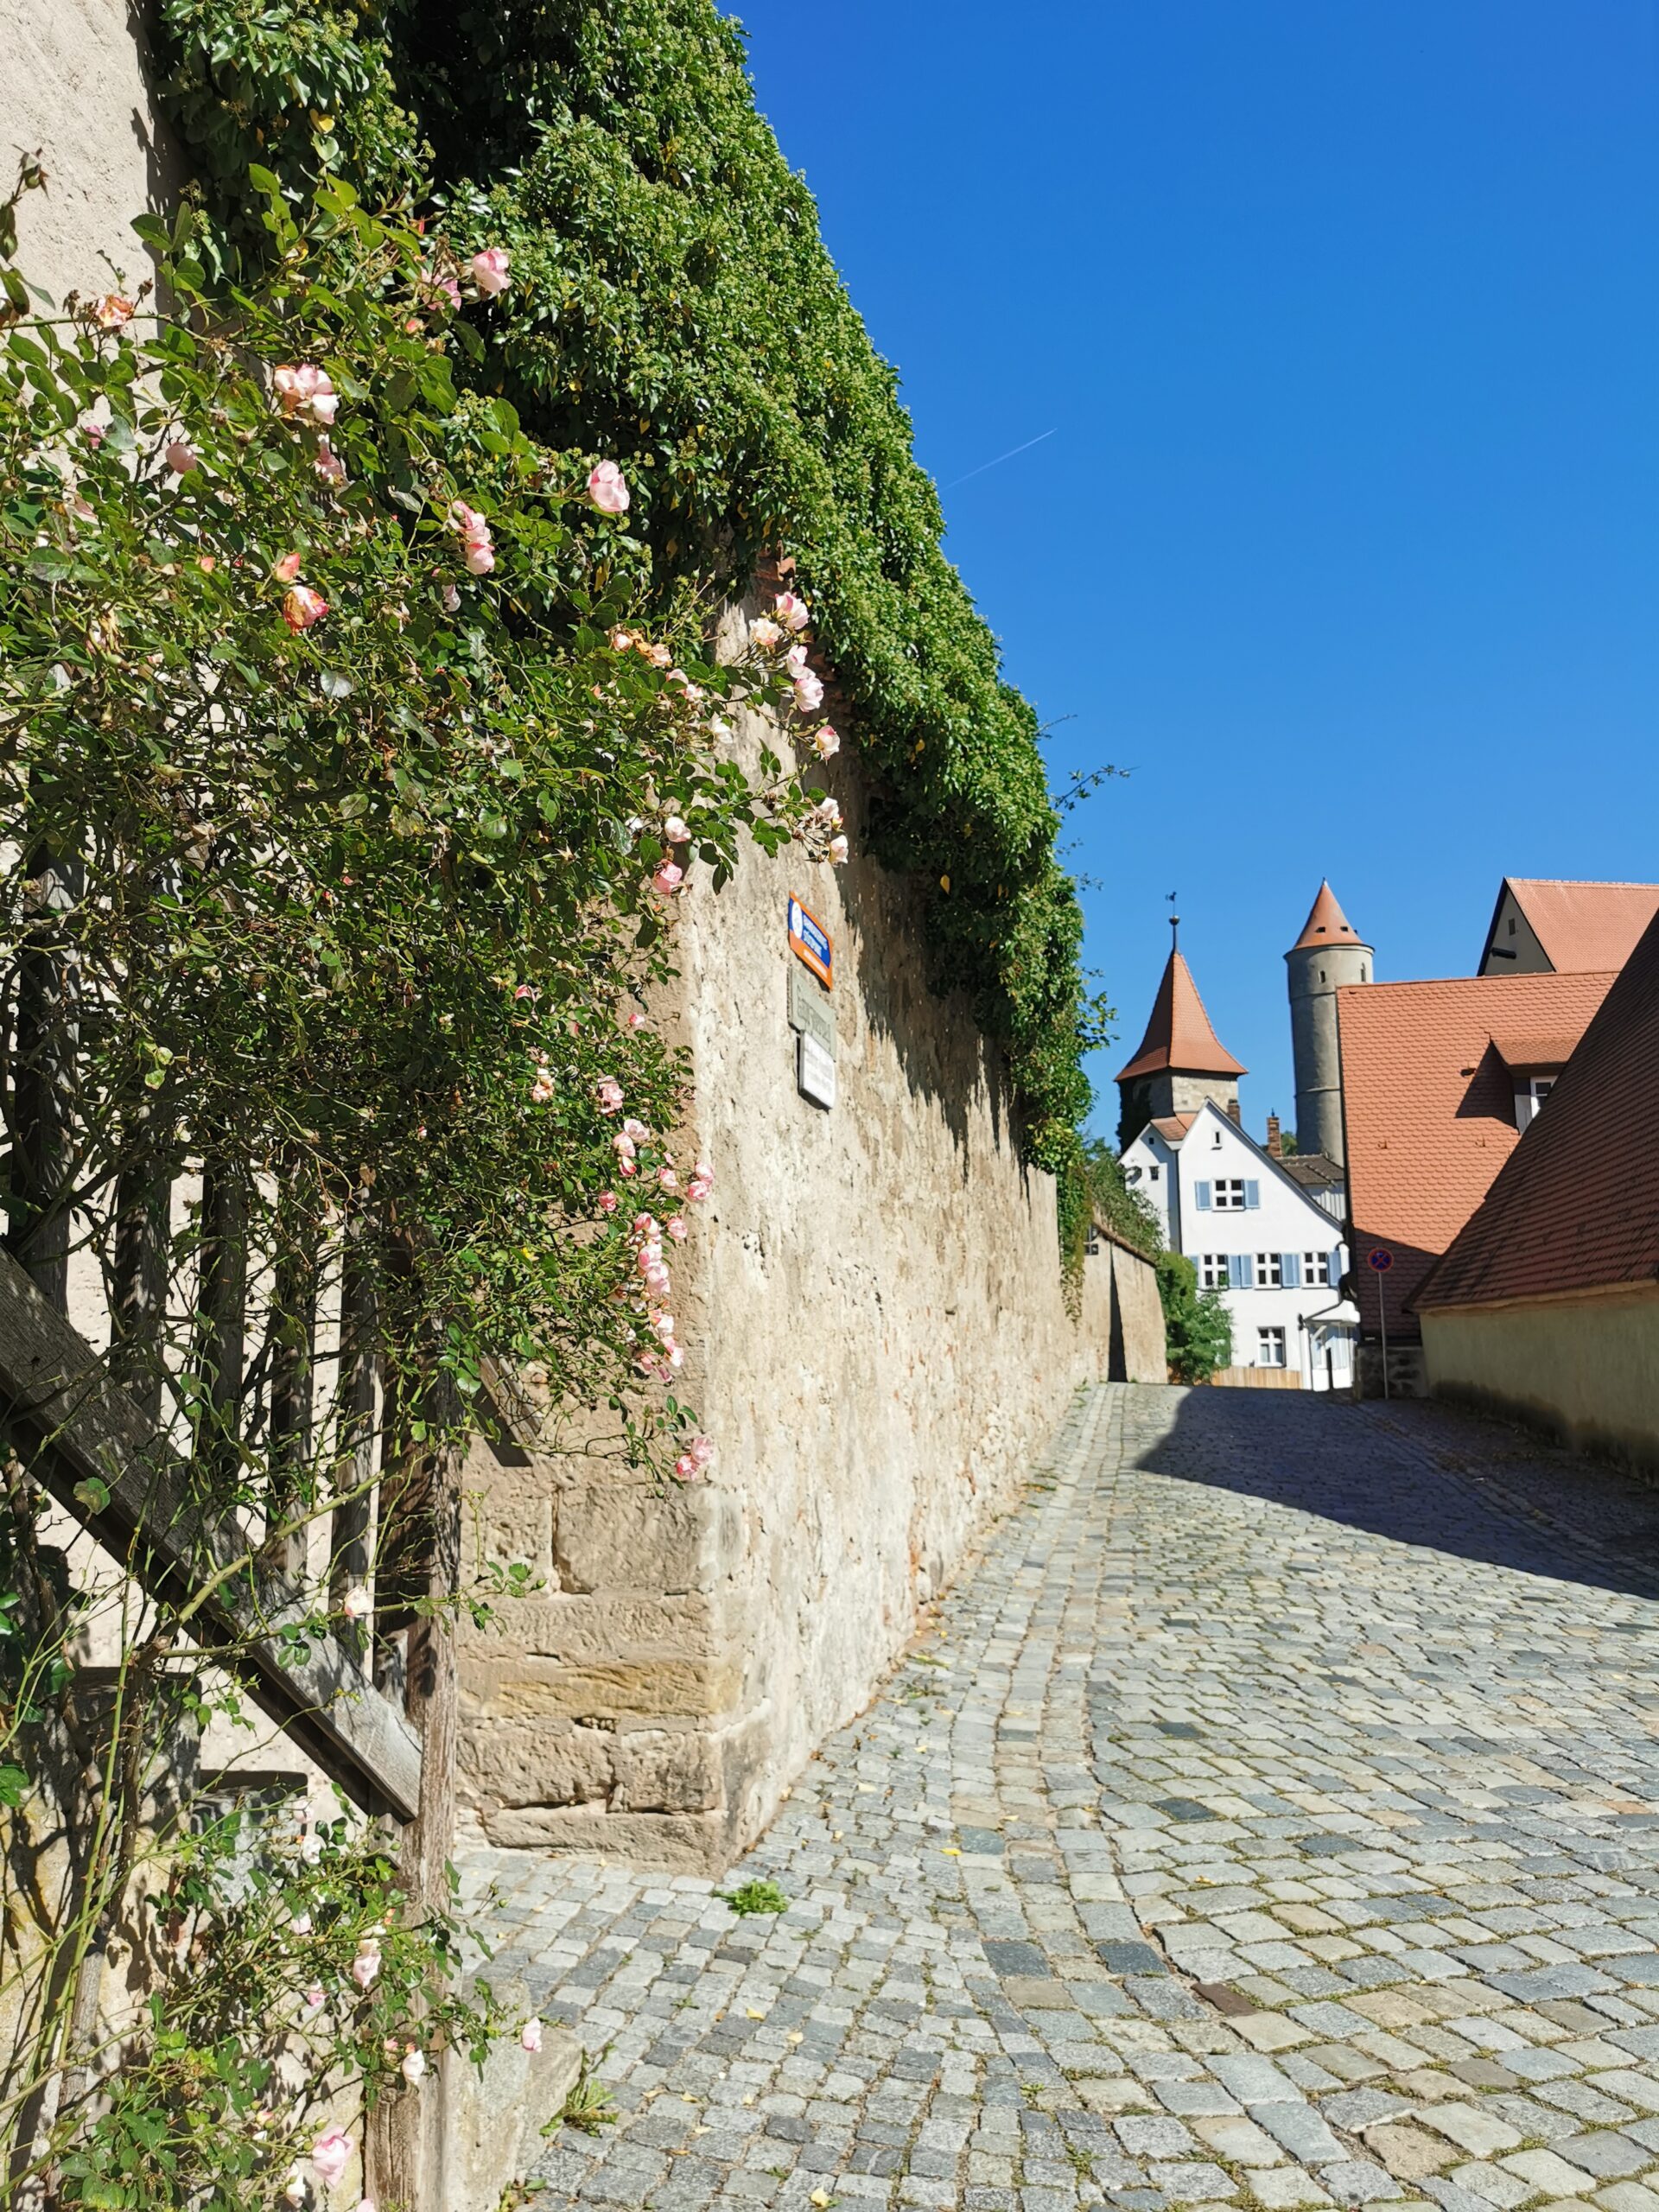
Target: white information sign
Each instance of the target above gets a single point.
(815, 1072)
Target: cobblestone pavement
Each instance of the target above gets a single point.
(1271, 1818)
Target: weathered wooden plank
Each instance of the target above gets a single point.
(75, 1425)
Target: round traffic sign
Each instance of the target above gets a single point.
(1380, 1260)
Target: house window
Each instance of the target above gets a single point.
(1213, 1271)
(1316, 1267)
(1530, 1097)
(1270, 1347)
(1155, 1174)
(1229, 1194)
(1269, 1270)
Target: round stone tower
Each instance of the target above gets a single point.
(1328, 953)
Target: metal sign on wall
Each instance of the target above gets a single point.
(810, 1010)
(815, 1072)
(810, 941)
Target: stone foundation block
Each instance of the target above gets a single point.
(515, 1763)
(659, 1772)
(609, 1538)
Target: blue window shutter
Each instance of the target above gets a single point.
(1290, 1269)
(1240, 1275)
(1201, 1197)
(1333, 1267)
(1252, 1194)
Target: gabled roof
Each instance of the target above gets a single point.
(1584, 928)
(1314, 1171)
(1428, 1105)
(1178, 1034)
(1576, 1206)
(1326, 924)
(1276, 1167)
(1172, 1127)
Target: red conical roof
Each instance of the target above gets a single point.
(1178, 1034)
(1326, 924)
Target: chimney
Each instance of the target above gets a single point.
(1233, 1114)
(1275, 1142)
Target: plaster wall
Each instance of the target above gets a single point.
(1585, 1368)
(75, 87)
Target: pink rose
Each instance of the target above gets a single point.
(668, 1179)
(180, 457)
(465, 520)
(315, 1997)
(303, 607)
(328, 464)
(826, 741)
(668, 878)
(838, 851)
(676, 1227)
(414, 2066)
(92, 431)
(791, 611)
(306, 390)
(795, 660)
(357, 1604)
(809, 692)
(765, 633)
(686, 1467)
(609, 1093)
(287, 569)
(113, 311)
(488, 270)
(702, 1451)
(607, 489)
(450, 597)
(367, 1964)
(530, 2036)
(331, 2154)
(607, 1202)
(697, 1190)
(676, 831)
(636, 1130)
(479, 555)
(635, 1020)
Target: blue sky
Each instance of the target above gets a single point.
(1346, 319)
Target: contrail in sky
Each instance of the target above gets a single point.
(997, 463)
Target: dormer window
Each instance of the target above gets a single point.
(1530, 1097)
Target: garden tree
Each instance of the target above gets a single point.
(1197, 1328)
(673, 305)
(347, 806)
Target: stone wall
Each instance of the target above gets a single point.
(879, 1343)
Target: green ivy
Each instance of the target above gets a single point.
(673, 305)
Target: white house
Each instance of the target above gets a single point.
(1255, 1234)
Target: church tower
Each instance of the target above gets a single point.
(1179, 1062)
(1328, 953)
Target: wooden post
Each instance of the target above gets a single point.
(42, 1085)
(420, 1556)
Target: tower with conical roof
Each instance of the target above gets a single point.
(1328, 953)
(1179, 1062)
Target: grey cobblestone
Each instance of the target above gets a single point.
(1272, 1816)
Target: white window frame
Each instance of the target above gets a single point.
(1316, 1270)
(1227, 1194)
(1213, 1271)
(1268, 1340)
(1269, 1270)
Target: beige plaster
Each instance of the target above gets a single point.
(1586, 1368)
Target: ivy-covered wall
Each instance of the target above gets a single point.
(673, 305)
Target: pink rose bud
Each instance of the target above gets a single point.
(180, 457)
(676, 1227)
(668, 878)
(414, 2065)
(676, 831)
(92, 431)
(607, 489)
(826, 741)
(450, 597)
(488, 270)
(328, 464)
(668, 1179)
(607, 1202)
(357, 1604)
(331, 2154)
(295, 2190)
(479, 557)
(625, 1167)
(303, 607)
(315, 1997)
(365, 1965)
(635, 1020)
(530, 2036)
(609, 1093)
(838, 851)
(686, 1467)
(287, 569)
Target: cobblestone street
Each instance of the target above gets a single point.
(1270, 1817)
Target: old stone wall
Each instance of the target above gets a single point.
(879, 1344)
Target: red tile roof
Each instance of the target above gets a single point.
(1428, 1105)
(1173, 1126)
(1178, 1034)
(1326, 924)
(1577, 1206)
(1584, 928)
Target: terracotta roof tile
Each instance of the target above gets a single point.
(1314, 1171)
(1178, 1034)
(1577, 1206)
(1428, 1104)
(1326, 924)
(1173, 1126)
(1585, 927)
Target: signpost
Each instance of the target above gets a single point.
(810, 942)
(812, 1011)
(1379, 1260)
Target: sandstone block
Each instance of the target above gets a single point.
(658, 1773)
(581, 1630)
(513, 1763)
(606, 1537)
(529, 1689)
(677, 1843)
